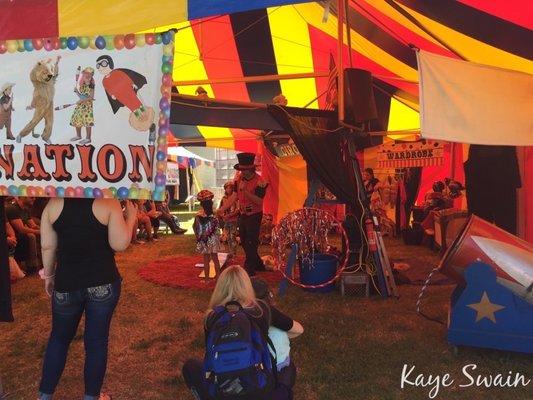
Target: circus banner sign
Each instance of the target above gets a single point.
(286, 150)
(85, 117)
(424, 153)
(173, 173)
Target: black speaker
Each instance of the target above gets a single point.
(359, 101)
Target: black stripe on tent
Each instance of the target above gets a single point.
(395, 92)
(477, 24)
(256, 52)
(181, 131)
(380, 37)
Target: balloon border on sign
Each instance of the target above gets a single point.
(108, 42)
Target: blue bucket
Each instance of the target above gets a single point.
(323, 268)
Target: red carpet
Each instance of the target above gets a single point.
(179, 271)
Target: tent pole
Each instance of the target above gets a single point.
(251, 79)
(340, 69)
(269, 78)
(188, 189)
(452, 160)
(348, 33)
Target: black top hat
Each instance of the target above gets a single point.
(246, 161)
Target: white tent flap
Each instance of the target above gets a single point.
(473, 103)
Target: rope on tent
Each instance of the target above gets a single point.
(231, 38)
(415, 21)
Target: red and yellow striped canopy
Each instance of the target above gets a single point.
(224, 39)
(299, 38)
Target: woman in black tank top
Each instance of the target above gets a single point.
(79, 239)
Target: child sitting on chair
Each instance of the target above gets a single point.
(206, 229)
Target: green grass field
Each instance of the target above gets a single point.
(352, 348)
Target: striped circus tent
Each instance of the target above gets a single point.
(221, 43)
(299, 38)
(230, 40)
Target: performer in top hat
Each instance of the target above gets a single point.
(250, 191)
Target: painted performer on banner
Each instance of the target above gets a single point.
(43, 77)
(83, 115)
(250, 191)
(122, 86)
(6, 107)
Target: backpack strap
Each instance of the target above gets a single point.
(274, 358)
(273, 354)
(218, 312)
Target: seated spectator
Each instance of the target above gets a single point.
(11, 239)
(280, 338)
(369, 181)
(143, 224)
(27, 232)
(234, 293)
(164, 215)
(154, 215)
(434, 200)
(37, 209)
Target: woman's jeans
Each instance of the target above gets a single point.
(98, 303)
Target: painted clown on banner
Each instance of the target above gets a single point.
(85, 117)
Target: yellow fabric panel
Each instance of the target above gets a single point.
(472, 49)
(93, 17)
(188, 66)
(292, 184)
(402, 117)
(412, 105)
(313, 13)
(292, 48)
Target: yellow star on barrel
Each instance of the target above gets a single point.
(485, 309)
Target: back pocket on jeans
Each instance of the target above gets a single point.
(61, 298)
(100, 293)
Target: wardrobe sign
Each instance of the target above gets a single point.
(286, 150)
(425, 153)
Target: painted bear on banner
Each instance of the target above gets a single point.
(43, 76)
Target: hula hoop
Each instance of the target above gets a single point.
(340, 270)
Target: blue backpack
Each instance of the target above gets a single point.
(237, 364)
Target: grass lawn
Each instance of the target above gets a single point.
(351, 349)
